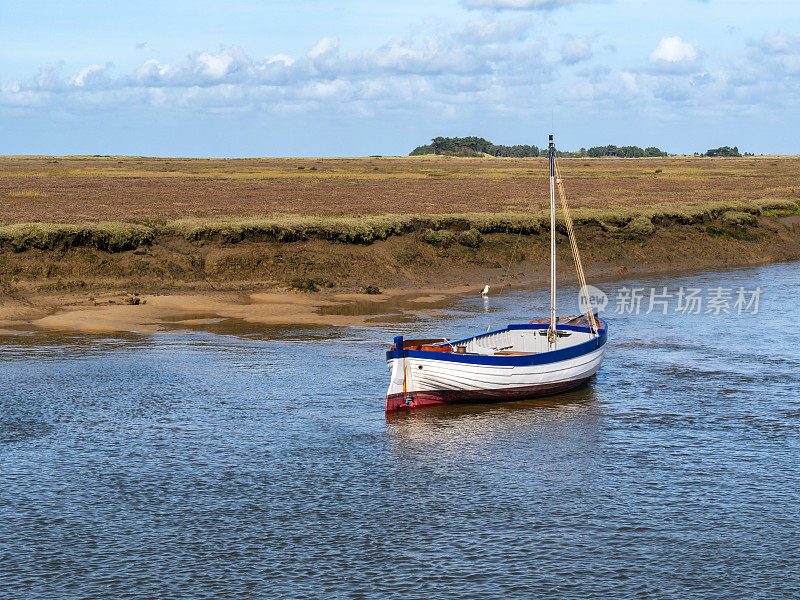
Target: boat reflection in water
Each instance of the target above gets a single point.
(553, 430)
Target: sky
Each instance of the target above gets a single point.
(359, 77)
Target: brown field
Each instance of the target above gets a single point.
(84, 189)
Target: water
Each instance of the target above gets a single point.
(243, 462)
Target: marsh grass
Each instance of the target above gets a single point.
(780, 208)
(135, 189)
(439, 238)
(737, 218)
(109, 237)
(441, 230)
(33, 194)
(641, 226)
(737, 233)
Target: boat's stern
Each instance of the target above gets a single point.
(402, 393)
(395, 395)
(405, 360)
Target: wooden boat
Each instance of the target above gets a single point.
(537, 358)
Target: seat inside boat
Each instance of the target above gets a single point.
(514, 340)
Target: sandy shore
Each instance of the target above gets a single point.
(114, 313)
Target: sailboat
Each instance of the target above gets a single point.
(525, 360)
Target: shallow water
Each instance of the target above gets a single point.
(249, 462)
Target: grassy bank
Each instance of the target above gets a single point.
(120, 236)
(73, 264)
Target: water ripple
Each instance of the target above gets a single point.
(258, 464)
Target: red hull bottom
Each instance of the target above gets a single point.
(397, 402)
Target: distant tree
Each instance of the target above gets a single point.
(419, 150)
(723, 151)
(653, 151)
(473, 146)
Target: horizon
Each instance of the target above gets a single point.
(364, 156)
(292, 79)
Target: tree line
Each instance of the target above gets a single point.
(724, 151)
(478, 146)
(473, 146)
(624, 151)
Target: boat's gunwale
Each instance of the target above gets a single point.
(540, 358)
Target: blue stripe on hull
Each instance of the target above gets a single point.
(541, 358)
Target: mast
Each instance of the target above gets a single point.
(551, 153)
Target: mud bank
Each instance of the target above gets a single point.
(170, 279)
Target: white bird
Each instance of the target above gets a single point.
(485, 291)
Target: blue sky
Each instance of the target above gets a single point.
(314, 78)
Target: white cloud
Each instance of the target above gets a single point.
(492, 31)
(518, 4)
(401, 74)
(629, 81)
(326, 45)
(215, 67)
(595, 73)
(287, 60)
(487, 67)
(88, 75)
(776, 56)
(674, 49)
(199, 68)
(48, 77)
(778, 43)
(575, 51)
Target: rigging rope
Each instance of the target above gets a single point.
(574, 245)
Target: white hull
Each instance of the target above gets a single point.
(483, 370)
(428, 375)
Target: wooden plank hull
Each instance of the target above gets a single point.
(428, 379)
(397, 402)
